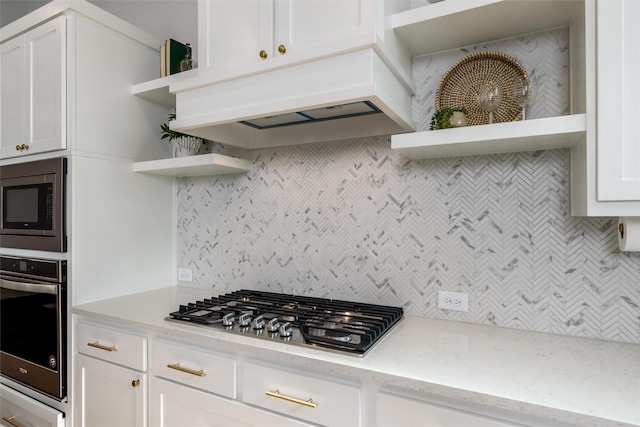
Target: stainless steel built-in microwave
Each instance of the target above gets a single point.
(32, 205)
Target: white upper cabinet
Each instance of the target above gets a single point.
(66, 85)
(34, 91)
(282, 72)
(234, 32)
(13, 97)
(618, 94)
(241, 37)
(605, 166)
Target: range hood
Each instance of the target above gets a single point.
(347, 96)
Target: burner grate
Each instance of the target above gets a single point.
(340, 325)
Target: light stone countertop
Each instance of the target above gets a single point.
(574, 380)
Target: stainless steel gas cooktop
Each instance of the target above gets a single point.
(344, 326)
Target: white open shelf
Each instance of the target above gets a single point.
(528, 135)
(158, 90)
(428, 29)
(203, 164)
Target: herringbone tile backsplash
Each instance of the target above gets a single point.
(355, 220)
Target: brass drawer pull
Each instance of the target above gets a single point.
(263, 54)
(135, 383)
(308, 403)
(177, 367)
(21, 148)
(102, 347)
(10, 421)
(282, 49)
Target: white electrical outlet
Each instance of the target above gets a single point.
(458, 301)
(185, 274)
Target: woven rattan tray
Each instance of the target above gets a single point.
(460, 85)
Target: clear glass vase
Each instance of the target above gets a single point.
(187, 62)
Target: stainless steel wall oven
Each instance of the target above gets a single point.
(33, 323)
(32, 205)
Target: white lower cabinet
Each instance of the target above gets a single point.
(176, 405)
(194, 384)
(301, 395)
(394, 411)
(109, 395)
(196, 368)
(201, 390)
(110, 384)
(17, 409)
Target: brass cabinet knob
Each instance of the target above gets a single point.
(135, 383)
(263, 54)
(22, 147)
(282, 49)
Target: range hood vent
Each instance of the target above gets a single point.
(318, 114)
(346, 96)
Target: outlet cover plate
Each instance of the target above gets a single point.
(458, 301)
(185, 275)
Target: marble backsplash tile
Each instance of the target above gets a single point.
(355, 220)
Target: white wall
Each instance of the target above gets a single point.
(176, 19)
(10, 10)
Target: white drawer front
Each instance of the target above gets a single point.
(174, 405)
(195, 368)
(112, 345)
(392, 411)
(335, 404)
(18, 409)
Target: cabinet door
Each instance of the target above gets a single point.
(234, 32)
(618, 97)
(108, 395)
(320, 27)
(392, 411)
(33, 74)
(241, 37)
(173, 405)
(46, 68)
(13, 97)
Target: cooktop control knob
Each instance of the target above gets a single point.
(285, 329)
(244, 320)
(258, 323)
(228, 319)
(273, 325)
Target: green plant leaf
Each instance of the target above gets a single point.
(442, 118)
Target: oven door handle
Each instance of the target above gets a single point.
(29, 287)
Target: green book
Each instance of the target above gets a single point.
(175, 52)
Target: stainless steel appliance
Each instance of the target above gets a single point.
(343, 326)
(33, 323)
(32, 205)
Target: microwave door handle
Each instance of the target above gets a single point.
(29, 287)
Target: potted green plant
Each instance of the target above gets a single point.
(184, 145)
(449, 117)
